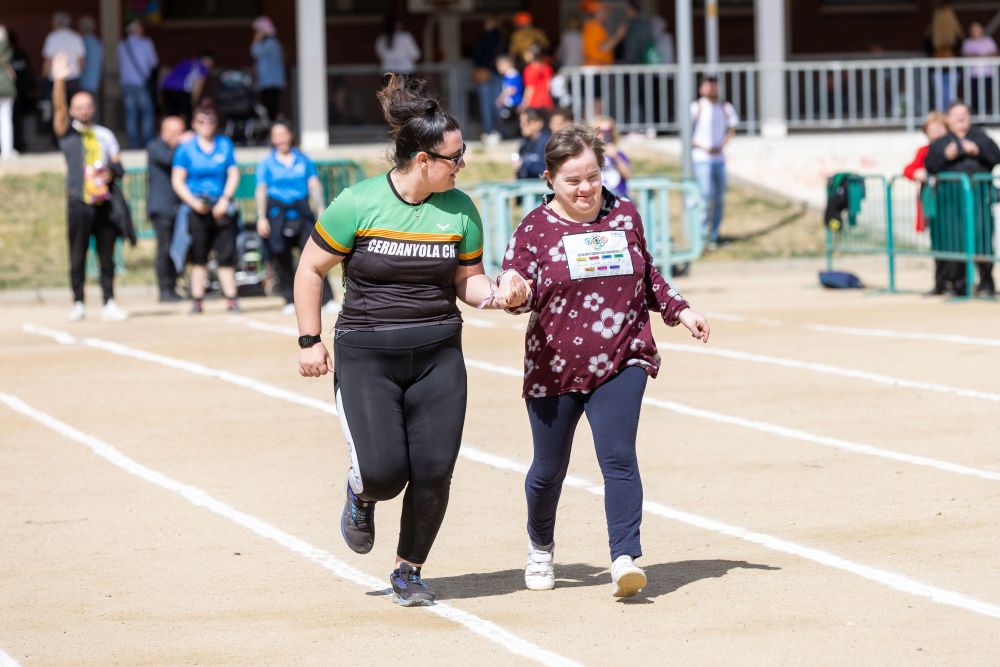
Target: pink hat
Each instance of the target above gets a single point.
(263, 24)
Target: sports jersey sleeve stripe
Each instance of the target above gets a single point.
(327, 242)
(408, 236)
(470, 247)
(338, 225)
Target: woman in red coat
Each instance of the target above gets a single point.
(934, 128)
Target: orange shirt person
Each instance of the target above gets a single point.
(598, 46)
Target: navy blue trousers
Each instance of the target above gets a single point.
(613, 413)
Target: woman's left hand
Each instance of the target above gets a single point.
(696, 324)
(512, 291)
(221, 209)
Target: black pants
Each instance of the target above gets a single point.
(613, 412)
(166, 272)
(401, 396)
(208, 234)
(280, 245)
(270, 98)
(86, 221)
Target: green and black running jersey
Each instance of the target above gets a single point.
(399, 258)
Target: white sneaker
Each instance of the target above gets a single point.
(112, 313)
(77, 312)
(289, 309)
(331, 307)
(539, 574)
(627, 578)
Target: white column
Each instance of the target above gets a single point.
(310, 28)
(711, 32)
(683, 88)
(769, 32)
(110, 26)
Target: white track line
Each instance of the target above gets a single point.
(905, 335)
(829, 369)
(884, 577)
(861, 331)
(731, 420)
(486, 629)
(7, 661)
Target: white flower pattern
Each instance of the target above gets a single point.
(593, 301)
(609, 324)
(599, 365)
(558, 364)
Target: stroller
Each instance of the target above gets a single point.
(236, 99)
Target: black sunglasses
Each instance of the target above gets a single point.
(454, 159)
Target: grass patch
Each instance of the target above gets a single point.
(33, 239)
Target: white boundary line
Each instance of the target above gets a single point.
(7, 661)
(720, 418)
(861, 331)
(905, 335)
(884, 577)
(829, 369)
(485, 629)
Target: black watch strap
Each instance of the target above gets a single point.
(305, 342)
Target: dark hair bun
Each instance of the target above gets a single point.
(416, 118)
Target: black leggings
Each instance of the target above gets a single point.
(401, 396)
(85, 221)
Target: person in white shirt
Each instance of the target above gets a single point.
(396, 49)
(713, 124)
(63, 39)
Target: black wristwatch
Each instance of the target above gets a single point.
(305, 342)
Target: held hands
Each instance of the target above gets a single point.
(512, 290)
(199, 206)
(696, 324)
(969, 147)
(315, 361)
(951, 151)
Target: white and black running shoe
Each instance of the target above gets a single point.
(357, 523)
(409, 589)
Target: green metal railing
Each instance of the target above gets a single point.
(950, 218)
(671, 213)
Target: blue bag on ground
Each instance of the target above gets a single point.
(840, 280)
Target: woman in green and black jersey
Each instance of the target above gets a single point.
(410, 243)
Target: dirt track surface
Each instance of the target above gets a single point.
(845, 534)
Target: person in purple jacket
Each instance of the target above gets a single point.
(589, 345)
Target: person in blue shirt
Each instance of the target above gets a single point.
(205, 177)
(286, 182)
(531, 154)
(270, 64)
(512, 87)
(183, 85)
(93, 61)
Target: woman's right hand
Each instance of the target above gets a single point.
(263, 227)
(199, 206)
(315, 361)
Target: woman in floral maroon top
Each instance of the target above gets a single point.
(589, 346)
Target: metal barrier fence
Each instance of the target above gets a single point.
(335, 175)
(951, 218)
(819, 94)
(671, 212)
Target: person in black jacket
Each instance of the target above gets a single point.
(968, 150)
(162, 202)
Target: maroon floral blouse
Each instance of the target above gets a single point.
(594, 286)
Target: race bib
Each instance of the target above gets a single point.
(597, 255)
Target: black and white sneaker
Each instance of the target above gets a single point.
(357, 523)
(409, 589)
